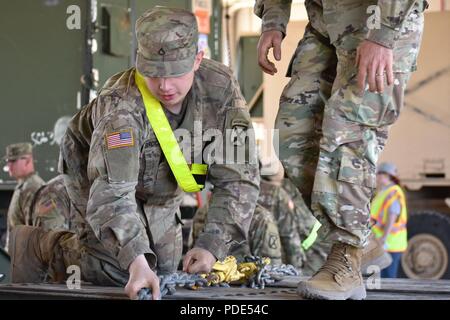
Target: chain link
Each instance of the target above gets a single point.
(266, 274)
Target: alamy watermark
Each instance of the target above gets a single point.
(374, 20)
(73, 21)
(73, 281)
(235, 146)
(373, 282)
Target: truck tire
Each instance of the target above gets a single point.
(427, 256)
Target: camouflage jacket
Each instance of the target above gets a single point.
(51, 209)
(277, 201)
(20, 207)
(345, 16)
(117, 180)
(20, 211)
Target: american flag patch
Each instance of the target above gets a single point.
(120, 139)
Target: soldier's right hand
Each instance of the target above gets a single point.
(142, 276)
(269, 39)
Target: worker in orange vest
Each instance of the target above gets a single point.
(389, 213)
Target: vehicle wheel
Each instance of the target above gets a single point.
(427, 256)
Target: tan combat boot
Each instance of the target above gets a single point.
(339, 278)
(374, 257)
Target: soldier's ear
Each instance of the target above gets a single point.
(198, 59)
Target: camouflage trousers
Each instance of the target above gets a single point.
(330, 134)
(39, 255)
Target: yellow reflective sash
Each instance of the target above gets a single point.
(169, 145)
(309, 241)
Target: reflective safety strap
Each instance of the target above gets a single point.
(169, 145)
(309, 241)
(199, 168)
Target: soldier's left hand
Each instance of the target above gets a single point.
(374, 63)
(198, 260)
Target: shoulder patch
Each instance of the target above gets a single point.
(119, 139)
(47, 206)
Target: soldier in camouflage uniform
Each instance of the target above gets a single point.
(19, 159)
(279, 203)
(263, 236)
(125, 196)
(294, 221)
(314, 256)
(348, 77)
(281, 217)
(51, 209)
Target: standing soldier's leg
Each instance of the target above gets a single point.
(354, 134)
(301, 109)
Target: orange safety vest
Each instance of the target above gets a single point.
(397, 240)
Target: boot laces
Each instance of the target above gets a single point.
(338, 262)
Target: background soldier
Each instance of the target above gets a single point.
(19, 159)
(263, 237)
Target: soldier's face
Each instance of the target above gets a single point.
(172, 91)
(18, 168)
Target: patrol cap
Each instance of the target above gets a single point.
(167, 42)
(388, 168)
(17, 150)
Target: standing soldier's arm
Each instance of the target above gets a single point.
(274, 14)
(375, 55)
(392, 15)
(275, 17)
(236, 185)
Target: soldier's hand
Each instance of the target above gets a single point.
(142, 276)
(198, 260)
(269, 39)
(374, 64)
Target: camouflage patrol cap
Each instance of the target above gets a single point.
(167, 42)
(17, 150)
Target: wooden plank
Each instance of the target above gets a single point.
(391, 285)
(235, 293)
(57, 291)
(391, 289)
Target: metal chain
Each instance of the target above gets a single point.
(266, 274)
(168, 283)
